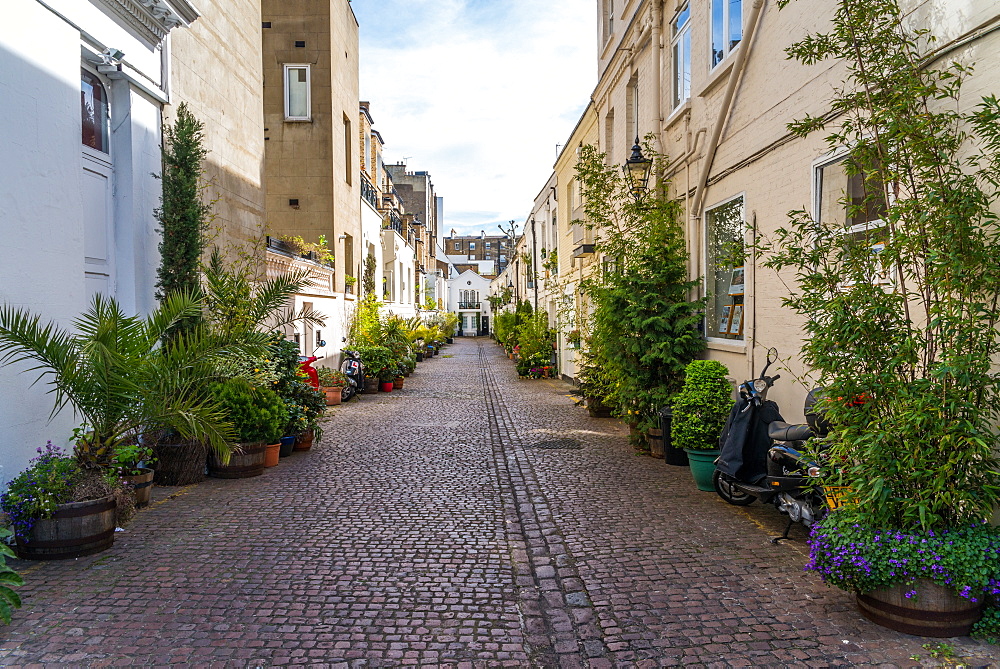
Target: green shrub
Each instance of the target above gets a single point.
(257, 414)
(702, 405)
(378, 361)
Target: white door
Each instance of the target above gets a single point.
(98, 237)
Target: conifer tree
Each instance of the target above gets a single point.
(183, 216)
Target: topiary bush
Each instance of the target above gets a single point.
(702, 405)
(257, 414)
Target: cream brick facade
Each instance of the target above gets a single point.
(216, 69)
(730, 133)
(311, 165)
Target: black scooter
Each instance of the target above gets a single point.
(751, 465)
(355, 371)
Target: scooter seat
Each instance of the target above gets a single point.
(781, 431)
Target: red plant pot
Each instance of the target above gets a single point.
(386, 387)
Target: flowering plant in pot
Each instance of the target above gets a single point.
(904, 313)
(54, 480)
(332, 383)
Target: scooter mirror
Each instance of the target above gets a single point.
(322, 343)
(772, 356)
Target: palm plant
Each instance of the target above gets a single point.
(238, 301)
(119, 377)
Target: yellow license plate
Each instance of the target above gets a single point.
(837, 496)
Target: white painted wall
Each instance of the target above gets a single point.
(469, 280)
(42, 187)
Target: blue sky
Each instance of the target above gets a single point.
(478, 93)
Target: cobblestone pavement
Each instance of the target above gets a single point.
(451, 523)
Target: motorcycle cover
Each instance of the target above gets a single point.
(744, 442)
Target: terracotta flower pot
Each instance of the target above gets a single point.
(272, 453)
(334, 395)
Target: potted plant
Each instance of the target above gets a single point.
(376, 360)
(332, 383)
(901, 322)
(133, 462)
(700, 410)
(313, 405)
(257, 414)
(60, 510)
(123, 381)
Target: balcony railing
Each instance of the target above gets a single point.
(469, 305)
(394, 223)
(276, 244)
(368, 191)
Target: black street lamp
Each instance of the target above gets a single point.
(636, 170)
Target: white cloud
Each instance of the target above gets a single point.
(478, 93)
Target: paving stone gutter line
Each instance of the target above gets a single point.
(556, 611)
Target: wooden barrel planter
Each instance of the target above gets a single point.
(304, 441)
(371, 384)
(74, 530)
(655, 438)
(397, 383)
(597, 410)
(179, 464)
(935, 610)
(246, 461)
(142, 486)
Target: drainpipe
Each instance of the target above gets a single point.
(725, 107)
(534, 261)
(657, 55)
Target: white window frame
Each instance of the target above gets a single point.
(741, 342)
(308, 69)
(727, 48)
(680, 50)
(886, 279)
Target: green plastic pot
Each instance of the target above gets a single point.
(702, 467)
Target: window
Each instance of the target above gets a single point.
(681, 41)
(608, 18)
(458, 246)
(472, 246)
(348, 153)
(724, 230)
(298, 96)
(94, 109)
(632, 110)
(609, 136)
(727, 28)
(488, 244)
(841, 201)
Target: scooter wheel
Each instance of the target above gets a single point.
(729, 492)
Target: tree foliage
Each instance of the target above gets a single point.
(182, 214)
(904, 314)
(643, 329)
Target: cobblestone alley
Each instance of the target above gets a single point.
(431, 526)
